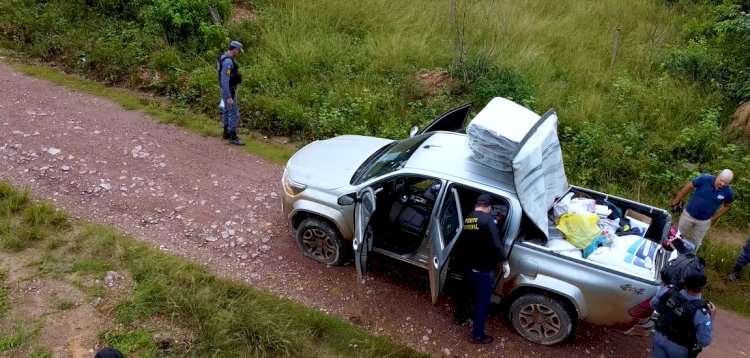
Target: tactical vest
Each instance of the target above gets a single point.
(676, 317)
(234, 75)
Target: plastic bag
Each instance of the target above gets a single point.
(561, 207)
(564, 247)
(581, 205)
(579, 228)
(598, 242)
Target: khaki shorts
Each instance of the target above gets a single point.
(693, 229)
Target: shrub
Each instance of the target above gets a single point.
(719, 52)
(700, 142)
(179, 20)
(484, 81)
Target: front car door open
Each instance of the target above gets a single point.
(445, 227)
(362, 243)
(451, 121)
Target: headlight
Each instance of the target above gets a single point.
(291, 187)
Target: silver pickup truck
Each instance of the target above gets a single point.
(350, 197)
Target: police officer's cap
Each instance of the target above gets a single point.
(484, 199)
(695, 281)
(236, 44)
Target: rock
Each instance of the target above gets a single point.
(446, 353)
(105, 186)
(96, 302)
(264, 248)
(53, 151)
(210, 238)
(179, 209)
(425, 338)
(110, 277)
(231, 232)
(224, 234)
(265, 240)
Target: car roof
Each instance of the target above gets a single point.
(447, 153)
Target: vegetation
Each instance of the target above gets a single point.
(218, 317)
(314, 69)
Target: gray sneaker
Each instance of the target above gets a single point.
(734, 276)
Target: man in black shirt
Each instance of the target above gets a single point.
(480, 251)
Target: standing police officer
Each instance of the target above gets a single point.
(480, 249)
(684, 325)
(229, 78)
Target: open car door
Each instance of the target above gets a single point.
(444, 231)
(451, 121)
(363, 210)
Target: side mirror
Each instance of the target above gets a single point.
(413, 131)
(346, 200)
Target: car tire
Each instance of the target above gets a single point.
(321, 241)
(542, 319)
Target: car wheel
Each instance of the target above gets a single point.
(320, 241)
(542, 319)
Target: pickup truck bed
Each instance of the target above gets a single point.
(599, 293)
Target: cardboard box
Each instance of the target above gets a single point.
(638, 220)
(638, 216)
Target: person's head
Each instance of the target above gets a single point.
(109, 353)
(695, 283)
(724, 178)
(235, 48)
(484, 203)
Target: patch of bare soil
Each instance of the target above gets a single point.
(435, 81)
(196, 197)
(741, 121)
(240, 14)
(68, 325)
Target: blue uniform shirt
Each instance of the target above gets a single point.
(706, 199)
(226, 69)
(701, 319)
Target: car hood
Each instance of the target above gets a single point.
(330, 163)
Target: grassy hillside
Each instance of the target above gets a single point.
(315, 69)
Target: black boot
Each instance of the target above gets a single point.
(735, 275)
(234, 139)
(226, 134)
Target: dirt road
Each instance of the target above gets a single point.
(196, 197)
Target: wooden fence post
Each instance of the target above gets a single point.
(615, 45)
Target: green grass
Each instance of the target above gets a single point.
(21, 334)
(227, 318)
(137, 342)
(64, 304)
(160, 109)
(4, 303)
(720, 259)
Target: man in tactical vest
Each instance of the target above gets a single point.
(684, 325)
(229, 78)
(480, 251)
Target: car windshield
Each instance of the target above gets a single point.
(390, 158)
